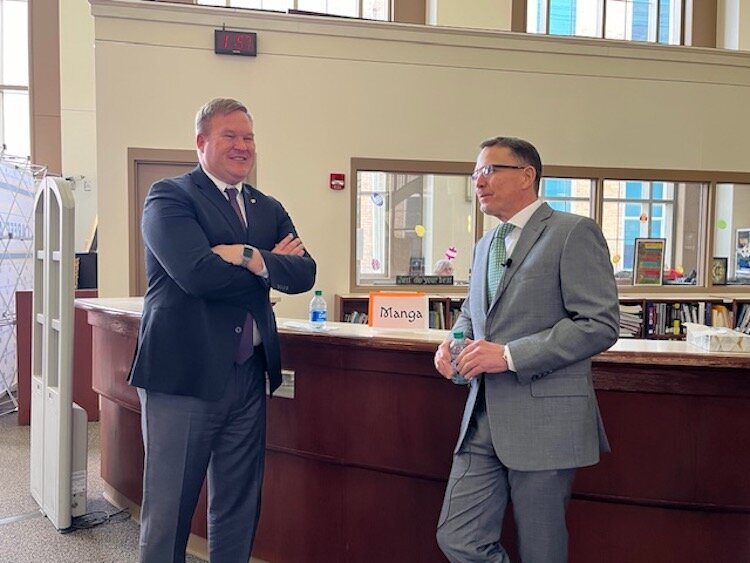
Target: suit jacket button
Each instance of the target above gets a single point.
(237, 329)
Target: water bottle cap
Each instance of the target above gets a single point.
(458, 334)
(318, 292)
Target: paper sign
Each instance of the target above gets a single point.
(648, 261)
(398, 309)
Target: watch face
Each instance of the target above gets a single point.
(247, 252)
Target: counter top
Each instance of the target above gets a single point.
(625, 350)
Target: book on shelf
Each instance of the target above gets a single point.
(355, 317)
(743, 318)
(667, 320)
(720, 315)
(437, 315)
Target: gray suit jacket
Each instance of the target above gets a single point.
(556, 307)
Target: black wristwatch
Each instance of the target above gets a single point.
(247, 254)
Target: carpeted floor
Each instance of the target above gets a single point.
(28, 537)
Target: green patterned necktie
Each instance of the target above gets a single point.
(496, 261)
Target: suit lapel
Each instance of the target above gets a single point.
(249, 200)
(214, 195)
(529, 235)
(480, 268)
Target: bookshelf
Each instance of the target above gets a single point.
(663, 317)
(352, 308)
(652, 316)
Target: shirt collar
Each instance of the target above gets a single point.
(522, 217)
(222, 186)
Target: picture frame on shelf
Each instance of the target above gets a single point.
(719, 270)
(648, 261)
(742, 253)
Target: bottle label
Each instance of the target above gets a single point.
(456, 346)
(317, 316)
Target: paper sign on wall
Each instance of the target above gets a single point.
(398, 309)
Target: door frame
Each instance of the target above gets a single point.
(136, 158)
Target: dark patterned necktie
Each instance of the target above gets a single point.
(496, 263)
(245, 349)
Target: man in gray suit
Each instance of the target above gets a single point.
(541, 303)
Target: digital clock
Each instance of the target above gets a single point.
(235, 43)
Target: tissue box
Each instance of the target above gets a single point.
(717, 339)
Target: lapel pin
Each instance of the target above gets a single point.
(252, 200)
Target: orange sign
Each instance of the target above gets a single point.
(398, 309)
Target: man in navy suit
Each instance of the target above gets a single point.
(542, 301)
(214, 248)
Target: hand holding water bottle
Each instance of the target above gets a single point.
(446, 357)
(478, 357)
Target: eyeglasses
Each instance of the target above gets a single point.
(491, 169)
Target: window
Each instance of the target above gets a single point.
(14, 77)
(366, 9)
(409, 222)
(731, 228)
(573, 195)
(656, 21)
(628, 209)
(569, 194)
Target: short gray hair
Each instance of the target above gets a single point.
(522, 150)
(222, 106)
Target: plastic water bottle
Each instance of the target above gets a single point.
(318, 310)
(458, 343)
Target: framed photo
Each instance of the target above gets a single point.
(718, 271)
(648, 261)
(416, 266)
(742, 253)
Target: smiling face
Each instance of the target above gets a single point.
(227, 148)
(506, 191)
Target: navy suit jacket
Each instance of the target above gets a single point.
(195, 301)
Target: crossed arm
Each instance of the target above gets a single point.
(232, 253)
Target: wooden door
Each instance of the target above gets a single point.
(147, 166)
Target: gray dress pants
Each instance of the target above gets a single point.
(479, 489)
(187, 439)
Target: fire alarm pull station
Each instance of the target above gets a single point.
(337, 180)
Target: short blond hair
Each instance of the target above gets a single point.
(221, 106)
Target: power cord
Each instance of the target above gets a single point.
(96, 518)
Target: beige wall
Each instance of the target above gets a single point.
(323, 91)
(78, 112)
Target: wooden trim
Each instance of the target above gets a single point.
(518, 16)
(703, 32)
(409, 11)
(693, 176)
(44, 86)
(414, 167)
(709, 177)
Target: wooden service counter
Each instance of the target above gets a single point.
(357, 460)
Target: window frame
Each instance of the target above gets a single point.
(706, 228)
(8, 88)
(295, 9)
(406, 167)
(602, 24)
